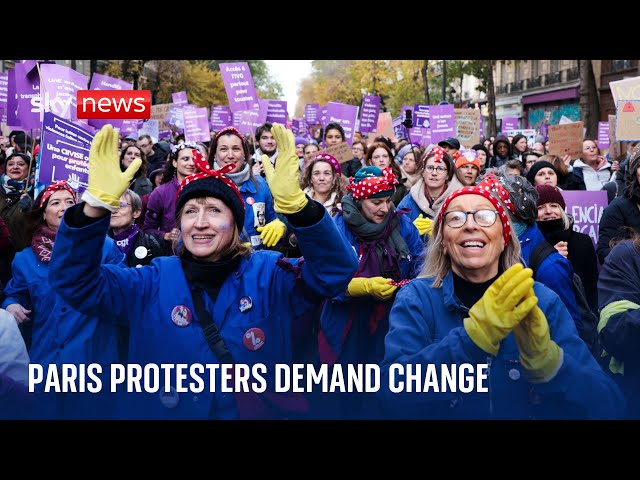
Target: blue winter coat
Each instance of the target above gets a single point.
(555, 271)
(426, 327)
(270, 294)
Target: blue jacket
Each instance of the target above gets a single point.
(272, 294)
(255, 201)
(555, 271)
(426, 327)
(346, 337)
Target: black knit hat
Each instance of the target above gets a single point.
(536, 167)
(212, 183)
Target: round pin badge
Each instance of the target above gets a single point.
(514, 374)
(250, 201)
(140, 252)
(169, 399)
(254, 339)
(181, 316)
(245, 304)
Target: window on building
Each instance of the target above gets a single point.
(554, 66)
(535, 66)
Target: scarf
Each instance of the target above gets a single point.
(331, 205)
(381, 243)
(126, 239)
(240, 177)
(209, 276)
(411, 179)
(11, 186)
(42, 243)
(429, 207)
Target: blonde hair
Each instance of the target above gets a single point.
(436, 262)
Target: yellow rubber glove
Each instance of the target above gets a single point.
(272, 232)
(283, 179)
(106, 181)
(424, 225)
(540, 356)
(501, 308)
(378, 287)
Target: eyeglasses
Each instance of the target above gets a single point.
(439, 168)
(124, 204)
(484, 218)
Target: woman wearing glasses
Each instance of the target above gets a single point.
(475, 305)
(60, 334)
(428, 193)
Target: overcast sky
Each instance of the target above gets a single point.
(289, 73)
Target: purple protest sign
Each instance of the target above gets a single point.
(220, 117)
(64, 152)
(421, 115)
(196, 124)
(28, 97)
(12, 99)
(175, 116)
(179, 98)
(247, 121)
(415, 134)
(277, 111)
(311, 112)
(603, 134)
(164, 135)
(369, 113)
(442, 122)
(130, 127)
(398, 128)
(4, 89)
(104, 82)
(60, 87)
(238, 83)
(344, 115)
(295, 126)
(586, 207)
(509, 123)
(323, 117)
(544, 130)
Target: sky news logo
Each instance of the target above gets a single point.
(114, 104)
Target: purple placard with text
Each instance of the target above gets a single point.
(28, 97)
(130, 127)
(415, 134)
(544, 130)
(603, 134)
(175, 116)
(64, 152)
(220, 117)
(4, 90)
(421, 115)
(179, 98)
(277, 111)
(323, 117)
(344, 115)
(196, 124)
(442, 122)
(398, 129)
(311, 112)
(586, 207)
(60, 87)
(238, 83)
(12, 99)
(369, 113)
(104, 82)
(248, 120)
(509, 123)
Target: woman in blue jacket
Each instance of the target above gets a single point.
(60, 334)
(474, 305)
(247, 301)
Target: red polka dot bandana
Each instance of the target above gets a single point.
(207, 172)
(331, 160)
(438, 153)
(483, 191)
(54, 187)
(498, 189)
(370, 185)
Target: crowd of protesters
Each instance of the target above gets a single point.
(266, 249)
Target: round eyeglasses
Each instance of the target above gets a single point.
(439, 168)
(457, 218)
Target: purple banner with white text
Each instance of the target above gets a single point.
(238, 83)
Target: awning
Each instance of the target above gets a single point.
(556, 95)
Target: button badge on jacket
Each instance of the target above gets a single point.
(254, 339)
(181, 316)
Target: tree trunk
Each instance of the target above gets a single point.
(425, 81)
(589, 104)
(491, 101)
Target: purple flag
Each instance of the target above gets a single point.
(196, 124)
(369, 113)
(4, 90)
(60, 85)
(64, 152)
(421, 115)
(603, 134)
(12, 99)
(442, 122)
(103, 82)
(277, 111)
(220, 117)
(509, 123)
(239, 86)
(179, 98)
(586, 206)
(344, 115)
(311, 113)
(28, 97)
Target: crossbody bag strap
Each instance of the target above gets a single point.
(210, 330)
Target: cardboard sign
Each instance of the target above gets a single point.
(159, 112)
(628, 120)
(614, 146)
(627, 89)
(467, 126)
(342, 152)
(566, 139)
(385, 126)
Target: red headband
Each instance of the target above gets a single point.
(331, 160)
(438, 153)
(482, 190)
(369, 186)
(54, 187)
(233, 130)
(206, 171)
